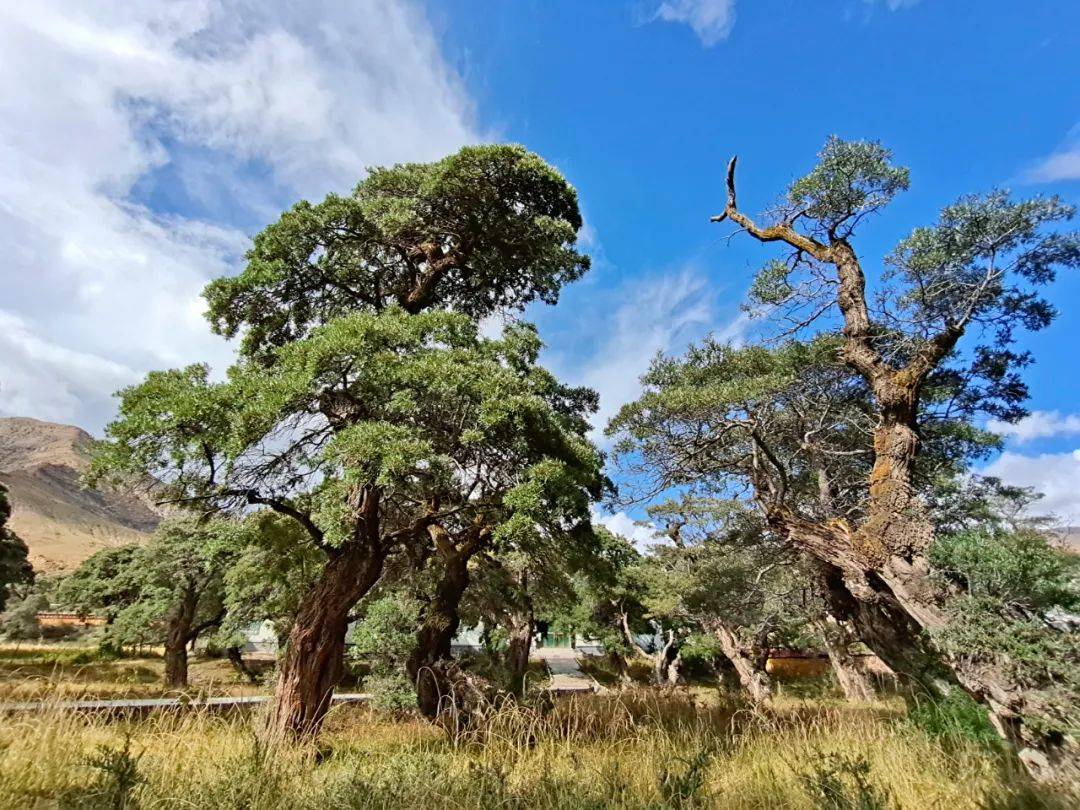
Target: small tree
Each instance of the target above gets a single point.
(385, 637)
(167, 592)
(606, 601)
(20, 621)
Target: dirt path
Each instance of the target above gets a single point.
(566, 674)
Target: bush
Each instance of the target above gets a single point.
(953, 718)
(840, 782)
(383, 640)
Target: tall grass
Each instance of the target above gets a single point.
(634, 750)
(36, 672)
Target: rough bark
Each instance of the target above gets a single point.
(519, 647)
(177, 635)
(176, 665)
(748, 659)
(314, 654)
(838, 637)
(437, 630)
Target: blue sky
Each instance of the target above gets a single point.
(141, 147)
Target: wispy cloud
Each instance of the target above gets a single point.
(633, 321)
(893, 5)
(711, 20)
(1061, 164)
(98, 99)
(1038, 425)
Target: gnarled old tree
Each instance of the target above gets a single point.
(427, 408)
(978, 270)
(341, 412)
(729, 581)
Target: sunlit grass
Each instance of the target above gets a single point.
(635, 750)
(36, 672)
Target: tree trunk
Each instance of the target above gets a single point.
(314, 655)
(617, 664)
(236, 658)
(749, 661)
(838, 638)
(674, 670)
(897, 607)
(665, 657)
(437, 631)
(628, 636)
(176, 665)
(519, 647)
(177, 635)
(1032, 720)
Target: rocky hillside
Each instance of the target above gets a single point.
(61, 522)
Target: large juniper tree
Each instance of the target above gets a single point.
(361, 408)
(978, 272)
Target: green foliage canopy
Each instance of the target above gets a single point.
(487, 229)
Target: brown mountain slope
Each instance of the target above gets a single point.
(61, 522)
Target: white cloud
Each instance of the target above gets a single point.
(663, 313)
(1061, 164)
(1055, 475)
(895, 5)
(641, 533)
(1038, 425)
(98, 97)
(53, 382)
(711, 20)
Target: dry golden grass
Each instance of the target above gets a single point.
(635, 750)
(36, 672)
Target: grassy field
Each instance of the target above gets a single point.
(34, 672)
(638, 749)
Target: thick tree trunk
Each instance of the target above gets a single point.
(314, 654)
(1032, 720)
(176, 665)
(177, 635)
(437, 631)
(896, 609)
(839, 638)
(748, 660)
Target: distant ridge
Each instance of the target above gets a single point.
(61, 522)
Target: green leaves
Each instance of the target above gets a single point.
(489, 228)
(852, 179)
